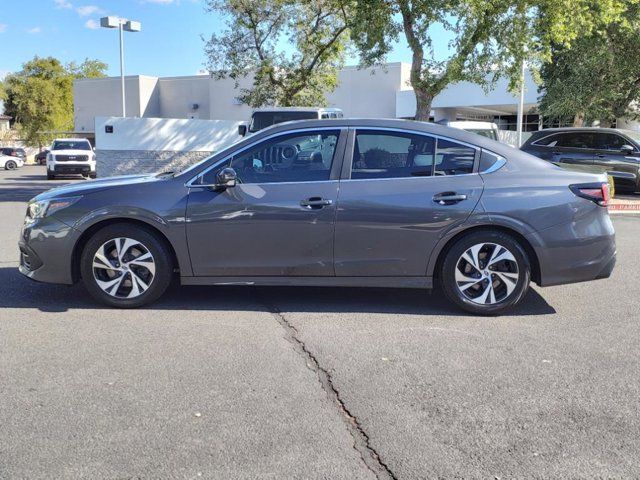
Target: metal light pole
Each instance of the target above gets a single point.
(122, 24)
(521, 106)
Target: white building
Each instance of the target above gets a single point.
(382, 92)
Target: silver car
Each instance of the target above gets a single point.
(367, 203)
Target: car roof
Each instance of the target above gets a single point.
(71, 139)
(297, 109)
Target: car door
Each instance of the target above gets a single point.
(621, 164)
(400, 192)
(279, 218)
(575, 148)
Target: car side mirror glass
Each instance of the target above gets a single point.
(226, 178)
(242, 130)
(627, 149)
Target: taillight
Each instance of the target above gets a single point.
(596, 192)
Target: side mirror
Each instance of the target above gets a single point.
(627, 149)
(242, 130)
(226, 178)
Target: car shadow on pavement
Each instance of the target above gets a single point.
(17, 291)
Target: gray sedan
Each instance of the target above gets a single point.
(379, 203)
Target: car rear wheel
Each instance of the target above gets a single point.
(10, 165)
(486, 272)
(126, 266)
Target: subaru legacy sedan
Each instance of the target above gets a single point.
(345, 202)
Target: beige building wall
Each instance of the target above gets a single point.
(178, 95)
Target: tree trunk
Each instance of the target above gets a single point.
(423, 105)
(578, 119)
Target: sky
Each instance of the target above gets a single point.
(170, 42)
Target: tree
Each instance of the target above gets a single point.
(40, 96)
(255, 41)
(597, 77)
(489, 38)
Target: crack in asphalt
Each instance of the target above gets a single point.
(361, 441)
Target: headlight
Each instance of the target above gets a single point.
(43, 208)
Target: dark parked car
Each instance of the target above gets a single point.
(614, 151)
(41, 157)
(14, 152)
(378, 203)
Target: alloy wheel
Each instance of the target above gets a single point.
(123, 267)
(486, 273)
(11, 165)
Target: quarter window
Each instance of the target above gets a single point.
(382, 154)
(287, 158)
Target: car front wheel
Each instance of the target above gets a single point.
(126, 266)
(486, 272)
(10, 165)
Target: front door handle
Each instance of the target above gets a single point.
(448, 198)
(315, 203)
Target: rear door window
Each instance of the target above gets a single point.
(582, 140)
(386, 154)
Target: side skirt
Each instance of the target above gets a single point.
(381, 282)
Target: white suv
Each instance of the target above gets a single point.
(71, 156)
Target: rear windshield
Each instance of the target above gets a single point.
(485, 133)
(262, 120)
(70, 145)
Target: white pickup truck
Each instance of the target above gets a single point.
(71, 156)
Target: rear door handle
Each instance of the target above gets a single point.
(315, 203)
(448, 198)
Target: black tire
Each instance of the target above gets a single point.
(50, 176)
(10, 165)
(451, 262)
(92, 175)
(156, 246)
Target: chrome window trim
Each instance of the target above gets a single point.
(535, 142)
(189, 183)
(418, 132)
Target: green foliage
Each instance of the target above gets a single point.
(597, 77)
(252, 47)
(489, 38)
(40, 96)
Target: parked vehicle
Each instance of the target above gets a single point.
(71, 156)
(8, 162)
(14, 152)
(486, 129)
(614, 151)
(266, 117)
(41, 157)
(385, 203)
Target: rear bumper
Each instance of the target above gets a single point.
(579, 251)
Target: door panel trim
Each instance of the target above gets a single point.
(372, 282)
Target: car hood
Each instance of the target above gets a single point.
(92, 186)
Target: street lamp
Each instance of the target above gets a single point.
(122, 24)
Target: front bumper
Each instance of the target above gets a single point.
(579, 251)
(46, 251)
(81, 168)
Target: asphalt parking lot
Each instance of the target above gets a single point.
(227, 382)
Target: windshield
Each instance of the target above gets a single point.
(71, 145)
(262, 120)
(634, 135)
(485, 133)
